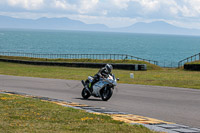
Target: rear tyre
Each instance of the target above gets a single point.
(85, 93)
(106, 94)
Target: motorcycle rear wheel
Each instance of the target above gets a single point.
(85, 93)
(106, 94)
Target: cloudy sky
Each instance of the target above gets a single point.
(113, 13)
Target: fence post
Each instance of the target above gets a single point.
(199, 56)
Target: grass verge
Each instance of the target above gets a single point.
(162, 77)
(19, 114)
(149, 65)
(194, 62)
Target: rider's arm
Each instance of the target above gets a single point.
(104, 73)
(101, 72)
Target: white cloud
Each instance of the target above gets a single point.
(186, 8)
(87, 6)
(104, 12)
(110, 12)
(27, 4)
(194, 7)
(62, 4)
(149, 4)
(121, 4)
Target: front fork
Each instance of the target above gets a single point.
(85, 86)
(105, 88)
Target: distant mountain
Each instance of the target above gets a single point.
(157, 27)
(49, 23)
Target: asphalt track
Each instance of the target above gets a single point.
(178, 105)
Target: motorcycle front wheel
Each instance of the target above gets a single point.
(106, 94)
(85, 94)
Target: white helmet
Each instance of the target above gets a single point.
(108, 68)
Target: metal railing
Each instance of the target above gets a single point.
(195, 57)
(79, 56)
(168, 64)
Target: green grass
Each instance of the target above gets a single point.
(194, 62)
(19, 114)
(149, 65)
(161, 77)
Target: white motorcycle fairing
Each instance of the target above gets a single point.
(97, 87)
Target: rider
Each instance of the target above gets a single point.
(103, 72)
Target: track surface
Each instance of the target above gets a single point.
(179, 105)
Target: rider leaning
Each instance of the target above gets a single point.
(103, 72)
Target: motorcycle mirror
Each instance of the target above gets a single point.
(117, 79)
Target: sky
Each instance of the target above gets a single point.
(113, 13)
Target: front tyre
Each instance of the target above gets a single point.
(85, 93)
(106, 94)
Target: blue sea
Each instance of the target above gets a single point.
(162, 48)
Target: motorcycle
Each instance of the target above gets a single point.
(103, 88)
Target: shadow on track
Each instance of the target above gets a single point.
(89, 99)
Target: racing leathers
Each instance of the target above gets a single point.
(102, 73)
